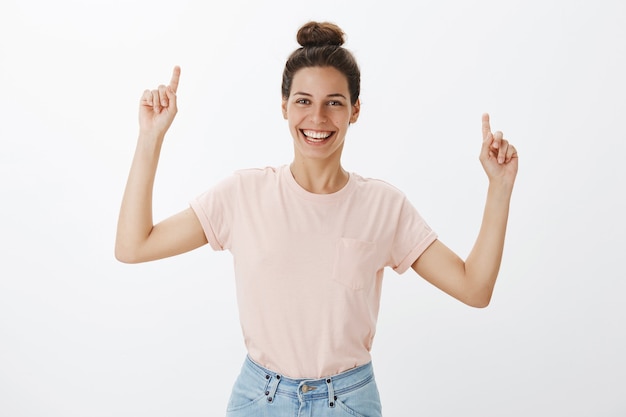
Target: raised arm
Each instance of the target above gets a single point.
(472, 281)
(138, 239)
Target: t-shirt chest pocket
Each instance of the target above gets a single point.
(355, 263)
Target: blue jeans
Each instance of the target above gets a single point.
(259, 392)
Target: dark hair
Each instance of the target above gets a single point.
(321, 46)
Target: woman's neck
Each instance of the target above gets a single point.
(319, 177)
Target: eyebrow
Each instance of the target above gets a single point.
(301, 93)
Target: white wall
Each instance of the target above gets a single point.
(83, 335)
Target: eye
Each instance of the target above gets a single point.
(303, 101)
(335, 103)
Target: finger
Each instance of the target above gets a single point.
(163, 96)
(156, 101)
(497, 140)
(486, 149)
(511, 153)
(146, 98)
(486, 126)
(503, 150)
(171, 96)
(175, 79)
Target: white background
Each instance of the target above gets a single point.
(83, 335)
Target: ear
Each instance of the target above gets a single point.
(356, 110)
(284, 108)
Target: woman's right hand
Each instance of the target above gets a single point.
(138, 238)
(157, 108)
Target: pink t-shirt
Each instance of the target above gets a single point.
(309, 267)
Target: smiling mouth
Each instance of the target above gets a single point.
(316, 136)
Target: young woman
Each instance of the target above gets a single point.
(310, 241)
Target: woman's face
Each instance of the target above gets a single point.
(319, 112)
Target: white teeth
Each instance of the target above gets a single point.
(319, 136)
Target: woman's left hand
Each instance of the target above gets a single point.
(497, 156)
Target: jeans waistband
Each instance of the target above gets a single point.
(304, 389)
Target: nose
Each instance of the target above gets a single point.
(318, 114)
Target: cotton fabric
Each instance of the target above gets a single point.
(309, 267)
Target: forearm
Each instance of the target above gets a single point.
(135, 220)
(483, 263)
(472, 281)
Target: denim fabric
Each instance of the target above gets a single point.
(259, 392)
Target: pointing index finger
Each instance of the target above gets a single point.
(175, 78)
(486, 126)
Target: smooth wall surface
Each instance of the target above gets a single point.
(83, 335)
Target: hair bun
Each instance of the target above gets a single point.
(320, 34)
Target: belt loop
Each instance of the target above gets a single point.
(331, 393)
(272, 387)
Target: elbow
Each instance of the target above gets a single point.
(124, 257)
(125, 254)
(479, 291)
(479, 303)
(479, 299)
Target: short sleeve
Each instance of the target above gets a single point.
(215, 210)
(413, 236)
